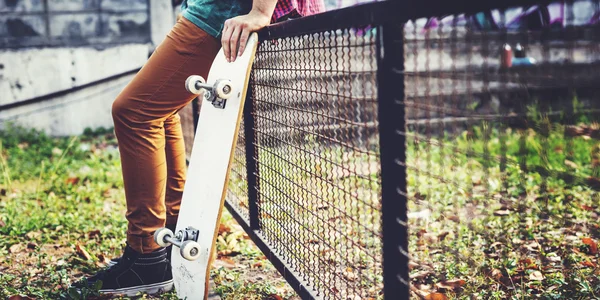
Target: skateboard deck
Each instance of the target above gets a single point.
(208, 171)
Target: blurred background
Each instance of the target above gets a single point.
(63, 62)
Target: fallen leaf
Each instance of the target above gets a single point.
(421, 274)
(536, 275)
(72, 180)
(553, 257)
(571, 164)
(2, 224)
(590, 264)
(451, 284)
(224, 228)
(274, 297)
(586, 207)
(533, 246)
(592, 244)
(436, 296)
(496, 274)
(15, 248)
(33, 235)
(502, 212)
(224, 262)
(93, 233)
(82, 252)
(443, 235)
(31, 245)
(529, 263)
(19, 297)
(454, 218)
(476, 179)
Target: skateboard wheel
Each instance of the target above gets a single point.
(224, 89)
(161, 234)
(190, 250)
(190, 84)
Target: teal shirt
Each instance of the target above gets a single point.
(210, 15)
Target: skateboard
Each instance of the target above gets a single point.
(208, 171)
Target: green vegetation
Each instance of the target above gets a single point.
(495, 213)
(62, 211)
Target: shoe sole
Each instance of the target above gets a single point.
(148, 289)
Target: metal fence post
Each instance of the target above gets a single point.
(390, 76)
(251, 155)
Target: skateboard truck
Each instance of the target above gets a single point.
(217, 94)
(186, 239)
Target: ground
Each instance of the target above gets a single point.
(62, 216)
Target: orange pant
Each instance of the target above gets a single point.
(148, 130)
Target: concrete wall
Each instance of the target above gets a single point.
(69, 114)
(78, 46)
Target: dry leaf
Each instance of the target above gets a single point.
(93, 233)
(536, 275)
(502, 212)
(496, 274)
(454, 218)
(19, 297)
(15, 248)
(529, 263)
(533, 246)
(451, 284)
(224, 228)
(476, 179)
(82, 252)
(224, 262)
(33, 235)
(421, 274)
(590, 264)
(586, 207)
(72, 180)
(592, 244)
(436, 296)
(443, 235)
(2, 224)
(31, 245)
(274, 297)
(571, 164)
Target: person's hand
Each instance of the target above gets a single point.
(237, 30)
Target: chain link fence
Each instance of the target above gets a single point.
(434, 151)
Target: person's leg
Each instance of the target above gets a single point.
(176, 168)
(176, 172)
(140, 113)
(146, 130)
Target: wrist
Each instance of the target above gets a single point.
(262, 16)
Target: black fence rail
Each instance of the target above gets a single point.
(433, 151)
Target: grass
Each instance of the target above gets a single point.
(529, 230)
(62, 211)
(495, 213)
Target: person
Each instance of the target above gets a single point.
(149, 135)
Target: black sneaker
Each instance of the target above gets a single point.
(115, 260)
(134, 273)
